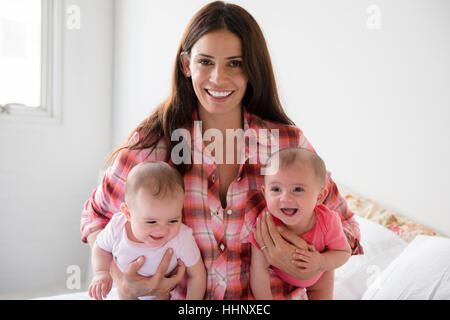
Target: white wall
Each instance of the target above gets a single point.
(374, 103)
(48, 171)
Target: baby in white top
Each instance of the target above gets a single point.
(149, 223)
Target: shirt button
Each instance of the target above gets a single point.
(229, 211)
(222, 247)
(213, 178)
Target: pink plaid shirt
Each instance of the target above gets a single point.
(221, 233)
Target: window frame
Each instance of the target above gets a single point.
(50, 107)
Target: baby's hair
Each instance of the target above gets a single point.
(156, 177)
(291, 156)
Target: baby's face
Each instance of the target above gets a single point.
(156, 221)
(292, 194)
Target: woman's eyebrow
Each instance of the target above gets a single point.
(212, 57)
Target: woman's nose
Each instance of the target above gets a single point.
(218, 74)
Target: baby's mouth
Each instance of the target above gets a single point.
(156, 238)
(289, 211)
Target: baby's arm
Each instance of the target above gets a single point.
(196, 284)
(333, 259)
(102, 282)
(260, 276)
(312, 261)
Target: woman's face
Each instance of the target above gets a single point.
(215, 67)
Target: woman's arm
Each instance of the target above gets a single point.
(335, 202)
(260, 276)
(196, 285)
(92, 237)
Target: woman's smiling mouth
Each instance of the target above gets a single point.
(218, 94)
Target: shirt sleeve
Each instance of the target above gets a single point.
(187, 249)
(108, 236)
(335, 202)
(334, 238)
(109, 194)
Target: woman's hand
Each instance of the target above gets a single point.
(278, 245)
(131, 285)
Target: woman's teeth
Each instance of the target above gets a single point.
(219, 94)
(289, 211)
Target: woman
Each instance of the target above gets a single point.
(222, 77)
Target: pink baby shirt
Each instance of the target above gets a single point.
(327, 233)
(113, 238)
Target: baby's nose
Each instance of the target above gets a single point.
(162, 230)
(285, 196)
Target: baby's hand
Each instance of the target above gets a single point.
(100, 285)
(309, 260)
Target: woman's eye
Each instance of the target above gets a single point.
(236, 64)
(204, 62)
(275, 189)
(298, 189)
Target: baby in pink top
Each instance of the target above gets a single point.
(149, 223)
(294, 193)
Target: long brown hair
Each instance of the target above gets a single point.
(261, 96)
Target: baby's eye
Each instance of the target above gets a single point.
(173, 221)
(298, 189)
(151, 222)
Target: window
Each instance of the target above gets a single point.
(30, 59)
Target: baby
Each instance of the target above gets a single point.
(148, 224)
(294, 194)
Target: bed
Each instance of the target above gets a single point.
(402, 259)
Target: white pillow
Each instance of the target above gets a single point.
(422, 271)
(381, 246)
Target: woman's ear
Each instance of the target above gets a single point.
(184, 57)
(124, 209)
(263, 190)
(322, 195)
